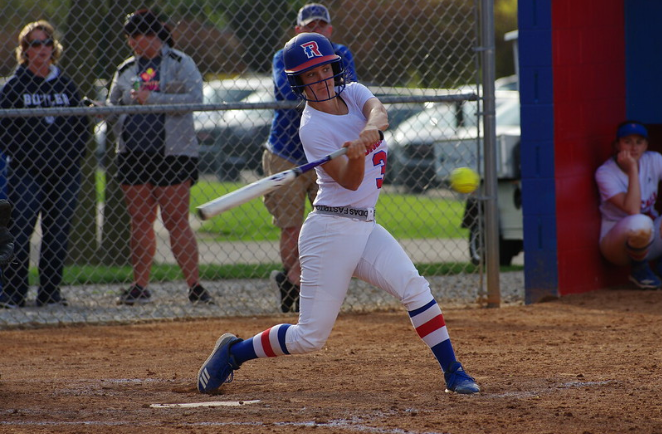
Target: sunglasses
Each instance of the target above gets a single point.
(40, 42)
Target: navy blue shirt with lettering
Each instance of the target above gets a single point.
(47, 143)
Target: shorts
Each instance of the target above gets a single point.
(139, 168)
(288, 203)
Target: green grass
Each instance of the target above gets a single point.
(409, 216)
(405, 216)
(90, 274)
(95, 275)
(248, 222)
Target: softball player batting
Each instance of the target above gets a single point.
(340, 238)
(630, 229)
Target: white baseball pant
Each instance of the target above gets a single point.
(636, 231)
(333, 249)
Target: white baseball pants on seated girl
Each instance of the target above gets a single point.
(633, 238)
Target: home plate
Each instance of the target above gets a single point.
(205, 404)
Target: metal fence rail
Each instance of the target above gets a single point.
(185, 108)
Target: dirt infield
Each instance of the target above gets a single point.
(583, 364)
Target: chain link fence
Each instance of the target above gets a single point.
(420, 57)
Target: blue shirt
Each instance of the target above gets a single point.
(284, 137)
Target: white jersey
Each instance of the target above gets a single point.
(612, 180)
(322, 133)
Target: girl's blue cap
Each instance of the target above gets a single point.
(631, 128)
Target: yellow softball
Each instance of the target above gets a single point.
(464, 180)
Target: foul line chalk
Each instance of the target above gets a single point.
(205, 404)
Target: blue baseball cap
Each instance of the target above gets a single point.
(631, 128)
(312, 12)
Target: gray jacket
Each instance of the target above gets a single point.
(180, 83)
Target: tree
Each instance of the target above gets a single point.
(505, 20)
(83, 243)
(115, 233)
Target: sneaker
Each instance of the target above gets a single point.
(459, 381)
(6, 302)
(219, 366)
(286, 290)
(199, 295)
(134, 295)
(644, 277)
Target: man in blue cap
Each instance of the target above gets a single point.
(284, 151)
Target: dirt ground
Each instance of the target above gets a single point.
(582, 364)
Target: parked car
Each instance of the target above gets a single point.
(232, 140)
(411, 150)
(246, 131)
(463, 150)
(220, 151)
(217, 153)
(426, 147)
(401, 112)
(511, 232)
(461, 147)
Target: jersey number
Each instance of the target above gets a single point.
(379, 159)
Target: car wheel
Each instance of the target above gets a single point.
(475, 247)
(508, 249)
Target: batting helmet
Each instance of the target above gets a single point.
(307, 51)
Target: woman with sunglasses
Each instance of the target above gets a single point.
(44, 159)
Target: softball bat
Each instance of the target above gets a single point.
(260, 188)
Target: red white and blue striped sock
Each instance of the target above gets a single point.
(431, 327)
(269, 343)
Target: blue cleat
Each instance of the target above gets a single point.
(644, 278)
(219, 366)
(459, 381)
